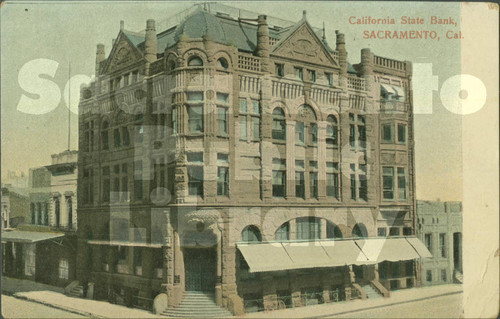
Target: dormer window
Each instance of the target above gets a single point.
(195, 61)
(222, 63)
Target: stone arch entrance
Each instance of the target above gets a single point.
(200, 260)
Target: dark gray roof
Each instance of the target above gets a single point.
(19, 236)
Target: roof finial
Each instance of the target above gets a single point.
(205, 6)
(304, 12)
(324, 36)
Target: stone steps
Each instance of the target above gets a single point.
(76, 292)
(371, 293)
(197, 304)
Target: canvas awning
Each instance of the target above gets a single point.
(388, 89)
(123, 243)
(19, 236)
(279, 256)
(419, 247)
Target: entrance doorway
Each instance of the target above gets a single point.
(358, 273)
(200, 265)
(457, 251)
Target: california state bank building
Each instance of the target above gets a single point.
(248, 160)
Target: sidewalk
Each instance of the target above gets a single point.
(85, 307)
(54, 297)
(332, 309)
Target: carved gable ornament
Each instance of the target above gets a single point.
(123, 54)
(304, 45)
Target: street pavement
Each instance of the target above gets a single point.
(443, 301)
(18, 308)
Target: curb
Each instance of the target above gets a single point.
(68, 309)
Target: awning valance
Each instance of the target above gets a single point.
(278, 256)
(392, 89)
(19, 236)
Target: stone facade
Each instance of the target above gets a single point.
(440, 228)
(218, 131)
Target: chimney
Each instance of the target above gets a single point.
(340, 41)
(367, 68)
(151, 45)
(99, 57)
(263, 41)
(342, 57)
(122, 24)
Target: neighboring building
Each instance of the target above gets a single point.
(15, 207)
(217, 155)
(17, 180)
(44, 248)
(440, 228)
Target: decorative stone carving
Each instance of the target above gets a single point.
(304, 45)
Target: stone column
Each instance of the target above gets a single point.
(321, 160)
(290, 159)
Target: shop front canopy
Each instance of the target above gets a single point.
(28, 237)
(279, 256)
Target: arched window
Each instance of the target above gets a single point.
(251, 234)
(332, 130)
(314, 133)
(283, 233)
(279, 124)
(105, 136)
(46, 214)
(57, 210)
(171, 65)
(222, 63)
(195, 61)
(359, 231)
(126, 136)
(117, 137)
(306, 129)
(333, 231)
(308, 228)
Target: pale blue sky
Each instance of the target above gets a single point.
(68, 33)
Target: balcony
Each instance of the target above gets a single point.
(393, 106)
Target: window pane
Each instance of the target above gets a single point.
(256, 128)
(243, 127)
(299, 132)
(243, 106)
(194, 96)
(256, 109)
(401, 133)
(387, 132)
(223, 97)
(195, 114)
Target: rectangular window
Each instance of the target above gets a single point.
(387, 135)
(243, 106)
(314, 134)
(329, 79)
(243, 128)
(195, 119)
(138, 190)
(407, 231)
(429, 276)
(222, 120)
(299, 73)
(382, 232)
(63, 269)
(313, 182)
(222, 174)
(363, 182)
(255, 107)
(394, 231)
(30, 260)
(312, 75)
(280, 69)
(299, 185)
(137, 261)
(106, 186)
(195, 174)
(279, 177)
(331, 134)
(362, 136)
(401, 183)
(195, 96)
(388, 182)
(223, 98)
(353, 181)
(409, 268)
(442, 245)
(332, 180)
(428, 242)
(223, 181)
(402, 133)
(443, 275)
(299, 132)
(195, 180)
(352, 135)
(255, 128)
